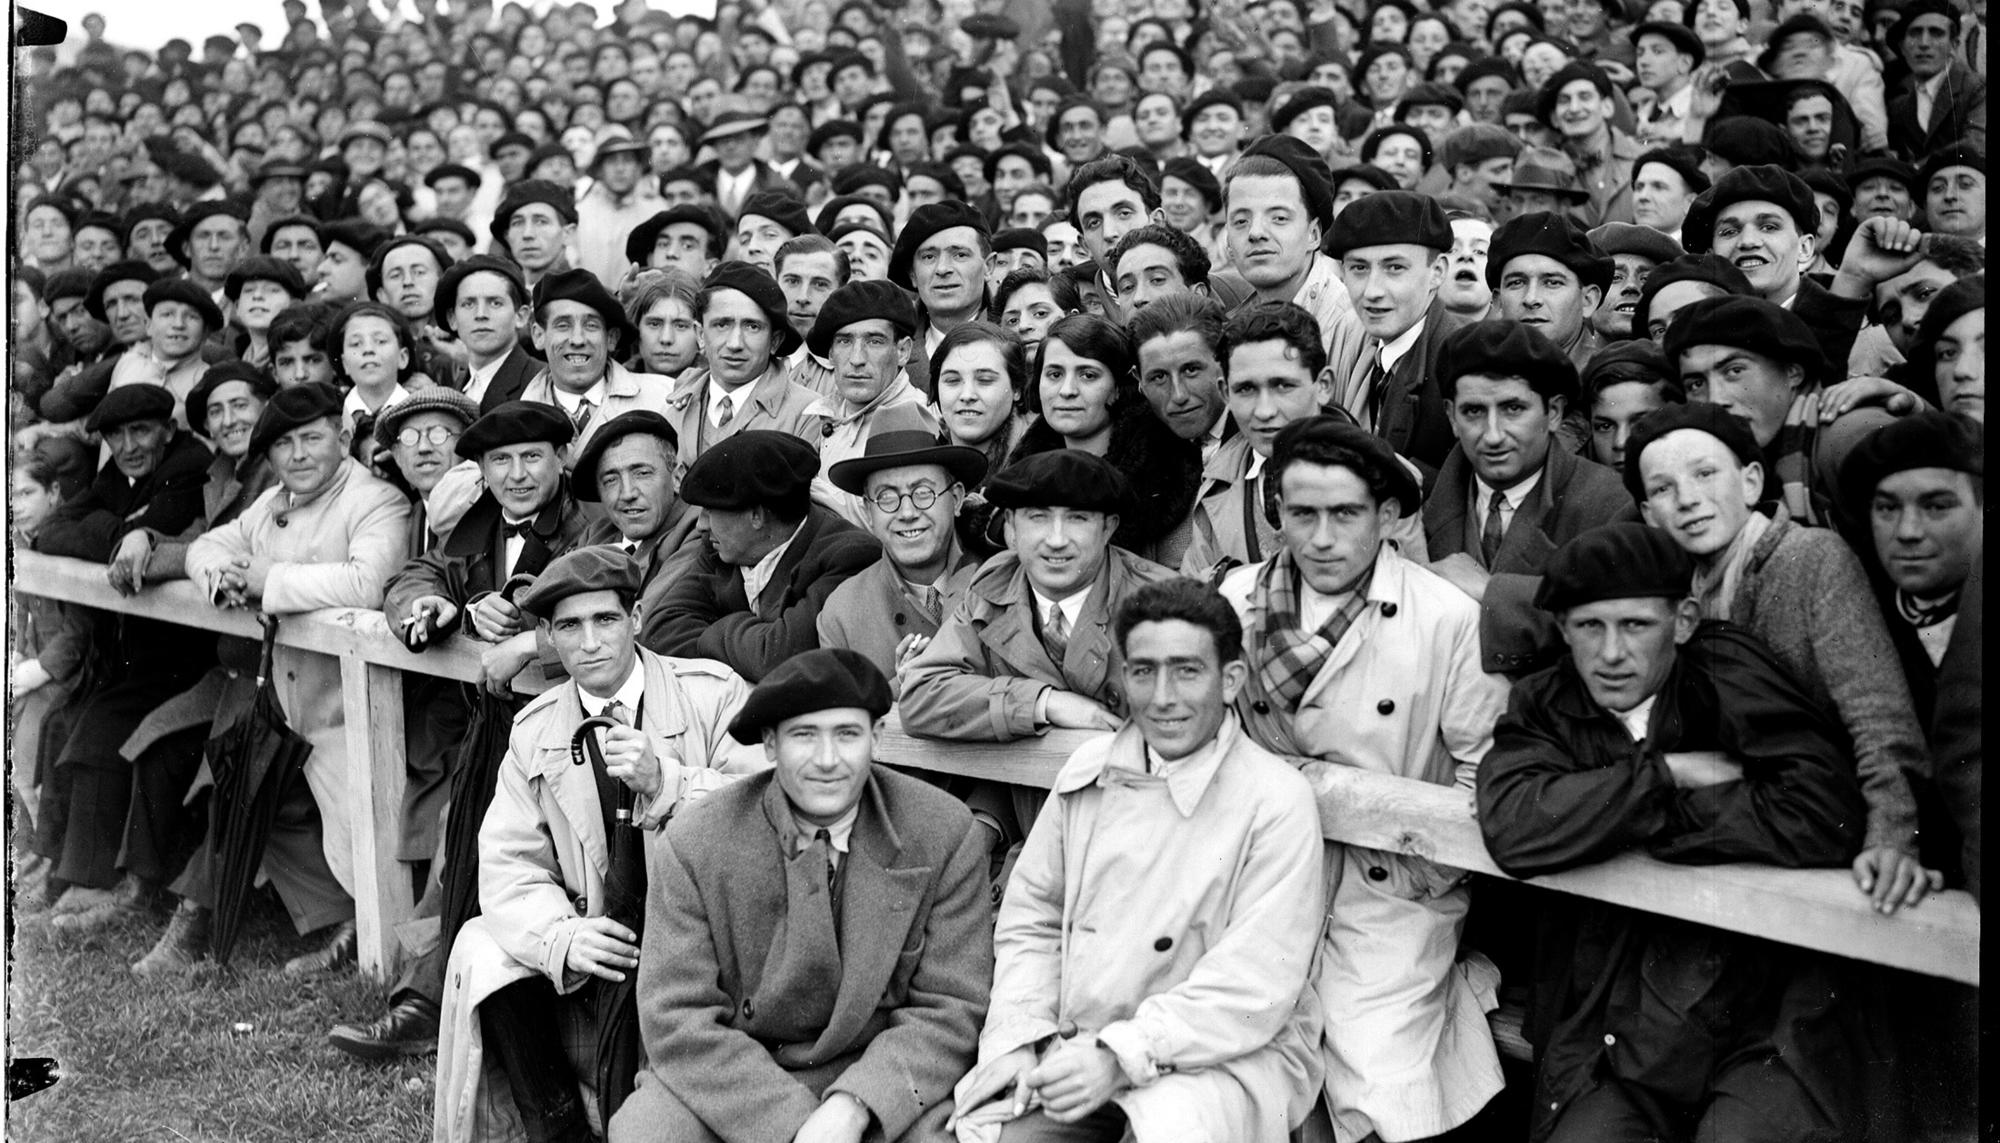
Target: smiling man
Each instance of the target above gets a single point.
(1635, 252)
(864, 330)
(179, 317)
(1180, 368)
(582, 330)
(746, 337)
(629, 467)
(1153, 263)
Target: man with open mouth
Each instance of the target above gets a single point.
(1635, 252)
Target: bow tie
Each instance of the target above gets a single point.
(523, 528)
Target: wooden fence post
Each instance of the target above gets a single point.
(373, 698)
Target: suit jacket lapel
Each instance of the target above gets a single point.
(804, 965)
(879, 899)
(772, 598)
(1526, 545)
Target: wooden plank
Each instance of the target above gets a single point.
(373, 700)
(1026, 762)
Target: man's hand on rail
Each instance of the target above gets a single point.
(494, 618)
(499, 664)
(1076, 712)
(1894, 879)
(127, 570)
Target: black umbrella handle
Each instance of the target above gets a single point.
(264, 659)
(583, 740)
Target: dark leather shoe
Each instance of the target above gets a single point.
(338, 950)
(410, 1028)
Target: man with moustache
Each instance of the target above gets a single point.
(484, 301)
(581, 329)
(864, 330)
(1635, 251)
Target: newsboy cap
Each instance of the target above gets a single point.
(187, 293)
(826, 678)
(756, 468)
(599, 567)
(515, 422)
(1556, 236)
(1681, 159)
(1300, 102)
(637, 422)
(128, 403)
(436, 399)
(861, 301)
(1955, 155)
(1767, 183)
(558, 198)
(1626, 560)
(1501, 348)
(1334, 432)
(927, 220)
(1682, 38)
(446, 295)
(1475, 143)
(1189, 170)
(1701, 416)
(1390, 218)
(762, 289)
(264, 268)
(129, 270)
(196, 404)
(1065, 478)
(1931, 439)
(291, 408)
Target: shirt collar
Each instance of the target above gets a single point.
(353, 406)
(1513, 498)
(1072, 604)
(631, 693)
(1393, 351)
(1187, 778)
(568, 401)
(838, 834)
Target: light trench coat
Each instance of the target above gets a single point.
(335, 550)
(1408, 1050)
(543, 861)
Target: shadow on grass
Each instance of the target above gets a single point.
(144, 1059)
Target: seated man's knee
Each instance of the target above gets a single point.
(653, 1114)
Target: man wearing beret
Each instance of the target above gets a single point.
(1698, 474)
(746, 337)
(1576, 102)
(593, 769)
(1942, 98)
(1634, 251)
(820, 937)
(208, 242)
(179, 318)
(536, 224)
(582, 331)
(629, 467)
(940, 256)
(865, 331)
(484, 301)
(1477, 157)
(620, 197)
(1286, 200)
(689, 238)
(771, 558)
(1687, 741)
(1510, 494)
(329, 535)
(1954, 181)
(1360, 657)
(1391, 248)
(1547, 274)
(768, 220)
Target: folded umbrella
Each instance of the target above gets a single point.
(475, 770)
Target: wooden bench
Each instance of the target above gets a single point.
(1815, 908)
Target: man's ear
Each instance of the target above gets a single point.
(1593, 297)
(904, 347)
(1795, 377)
(1558, 405)
(1753, 482)
(1234, 674)
(1325, 382)
(539, 335)
(1158, 217)
(1687, 616)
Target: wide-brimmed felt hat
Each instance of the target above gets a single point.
(902, 448)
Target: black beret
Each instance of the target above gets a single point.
(1501, 348)
(186, 292)
(62, 204)
(1687, 268)
(763, 289)
(511, 139)
(437, 224)
(1315, 178)
(1556, 236)
(1917, 8)
(452, 171)
(1703, 417)
(600, 567)
(1371, 143)
(317, 227)
(291, 407)
(1336, 432)
(990, 26)
(128, 403)
(1748, 323)
(1637, 359)
(1368, 173)
(635, 423)
(558, 198)
(196, 405)
(1300, 102)
(1680, 36)
(1495, 66)
(1475, 143)
(899, 448)
(1189, 170)
(1748, 141)
(364, 238)
(277, 169)
(1956, 155)
(127, 271)
(512, 423)
(197, 213)
(1631, 238)
(926, 221)
(582, 286)
(436, 399)
(1063, 477)
(1213, 97)
(831, 209)
(829, 131)
(190, 169)
(446, 298)
(264, 268)
(644, 237)
(784, 209)
(753, 469)
(1390, 218)
(826, 678)
(1802, 23)
(1545, 99)
(1683, 160)
(1431, 95)
(71, 283)
(1884, 167)
(861, 301)
(1930, 439)
(1626, 560)
(866, 175)
(1022, 238)
(151, 211)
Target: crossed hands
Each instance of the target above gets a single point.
(1071, 1083)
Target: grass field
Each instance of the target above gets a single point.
(159, 1060)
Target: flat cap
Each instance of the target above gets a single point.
(364, 238)
(1884, 167)
(1701, 416)
(436, 399)
(1631, 238)
(196, 404)
(1021, 238)
(556, 196)
(187, 293)
(264, 268)
(1390, 218)
(1065, 478)
(1548, 170)
(990, 26)
(1189, 170)
(129, 270)
(1213, 97)
(277, 169)
(452, 171)
(832, 209)
(1495, 66)
(1798, 24)
(1431, 95)
(511, 139)
(861, 301)
(1931, 439)
(1626, 560)
(1679, 35)
(290, 408)
(512, 423)
(600, 567)
(1503, 348)
(784, 209)
(762, 289)
(852, 179)
(1556, 236)
(583, 287)
(829, 131)
(1368, 173)
(1475, 143)
(644, 237)
(196, 213)
(637, 422)
(900, 448)
(924, 223)
(826, 678)
(128, 403)
(1748, 323)
(1637, 359)
(365, 129)
(753, 469)
(1315, 177)
(734, 123)
(1325, 432)
(616, 145)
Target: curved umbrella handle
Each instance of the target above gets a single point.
(584, 740)
(269, 623)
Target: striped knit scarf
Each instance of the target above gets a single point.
(1288, 657)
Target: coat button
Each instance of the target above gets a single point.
(1609, 1039)
(1066, 1029)
(1386, 706)
(1377, 873)
(583, 906)
(1388, 610)
(899, 619)
(1261, 707)
(749, 1013)
(1163, 944)
(280, 521)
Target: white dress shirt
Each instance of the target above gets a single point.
(757, 576)
(1510, 500)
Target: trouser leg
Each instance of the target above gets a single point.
(1105, 1125)
(522, 1030)
(423, 973)
(294, 858)
(1608, 1113)
(88, 852)
(160, 781)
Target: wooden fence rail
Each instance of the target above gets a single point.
(1817, 908)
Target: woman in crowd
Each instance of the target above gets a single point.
(665, 306)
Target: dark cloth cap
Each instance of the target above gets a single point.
(1638, 359)
(1475, 143)
(619, 146)
(861, 301)
(1190, 171)
(317, 227)
(364, 238)
(600, 567)
(1679, 35)
(755, 468)
(1751, 142)
(639, 244)
(1213, 97)
(1368, 173)
(1631, 238)
(1022, 238)
(1702, 416)
(990, 26)
(898, 448)
(1390, 218)
(436, 399)
(1300, 102)
(763, 289)
(1684, 161)
(277, 169)
(264, 268)
(1063, 477)
(291, 407)
(511, 139)
(512, 423)
(177, 238)
(71, 283)
(638, 422)
(1315, 178)
(1922, 8)
(926, 221)
(1687, 268)
(128, 403)
(1802, 23)
(452, 170)
(861, 175)
(62, 204)
(1484, 66)
(182, 290)
(1884, 167)
(734, 123)
(162, 211)
(1557, 236)
(1747, 323)
(1627, 560)
(583, 286)
(1956, 155)
(1546, 169)
(190, 169)
(382, 252)
(1545, 99)
(196, 405)
(784, 209)
(825, 678)
(126, 271)
(446, 298)
(435, 225)
(1931, 439)
(831, 209)
(1336, 432)
(521, 194)
(1950, 304)
(829, 131)
(1501, 348)
(1431, 95)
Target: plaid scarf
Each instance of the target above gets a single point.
(1289, 657)
(1788, 471)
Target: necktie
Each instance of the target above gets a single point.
(1371, 389)
(723, 417)
(1055, 633)
(631, 547)
(582, 416)
(823, 845)
(1494, 532)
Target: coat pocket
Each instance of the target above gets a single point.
(1403, 875)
